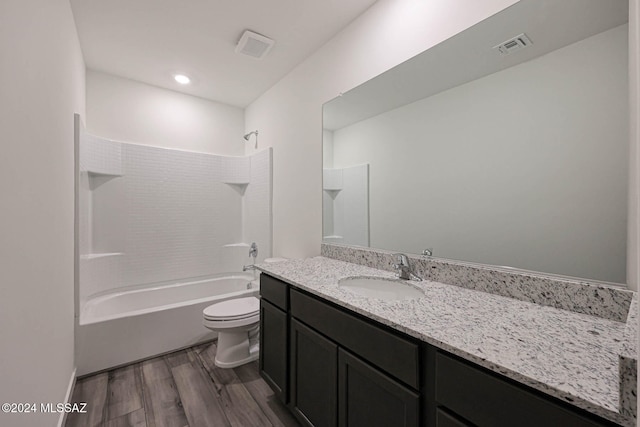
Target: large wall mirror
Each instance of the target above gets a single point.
(504, 145)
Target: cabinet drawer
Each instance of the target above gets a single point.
(392, 353)
(275, 291)
(485, 399)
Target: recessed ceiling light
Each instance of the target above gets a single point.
(182, 79)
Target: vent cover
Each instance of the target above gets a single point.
(254, 45)
(516, 43)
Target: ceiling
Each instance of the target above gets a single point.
(550, 24)
(151, 40)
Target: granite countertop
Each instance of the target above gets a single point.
(569, 355)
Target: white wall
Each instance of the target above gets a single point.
(289, 115)
(563, 208)
(41, 86)
(130, 111)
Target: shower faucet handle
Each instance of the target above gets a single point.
(253, 250)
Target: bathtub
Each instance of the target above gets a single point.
(121, 327)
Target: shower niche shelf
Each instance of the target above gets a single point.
(96, 179)
(236, 245)
(100, 255)
(99, 193)
(333, 238)
(94, 174)
(239, 187)
(333, 193)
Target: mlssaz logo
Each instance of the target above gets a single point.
(64, 407)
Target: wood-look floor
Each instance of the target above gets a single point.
(180, 389)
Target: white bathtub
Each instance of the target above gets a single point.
(125, 326)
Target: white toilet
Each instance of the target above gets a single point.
(237, 322)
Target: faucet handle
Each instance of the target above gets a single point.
(253, 250)
(403, 260)
(404, 268)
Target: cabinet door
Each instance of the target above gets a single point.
(274, 348)
(445, 419)
(314, 373)
(369, 398)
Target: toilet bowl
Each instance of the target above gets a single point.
(237, 322)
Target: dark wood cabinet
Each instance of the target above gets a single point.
(314, 376)
(368, 398)
(275, 291)
(487, 399)
(390, 351)
(335, 367)
(274, 346)
(446, 419)
(330, 386)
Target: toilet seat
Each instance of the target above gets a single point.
(233, 309)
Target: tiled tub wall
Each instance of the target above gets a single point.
(574, 295)
(149, 215)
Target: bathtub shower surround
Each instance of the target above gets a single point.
(152, 217)
(152, 214)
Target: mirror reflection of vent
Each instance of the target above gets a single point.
(254, 45)
(516, 43)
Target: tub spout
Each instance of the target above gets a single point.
(248, 267)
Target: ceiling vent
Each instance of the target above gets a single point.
(516, 43)
(254, 45)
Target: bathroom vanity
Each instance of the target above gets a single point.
(458, 153)
(454, 357)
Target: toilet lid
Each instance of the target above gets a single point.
(237, 308)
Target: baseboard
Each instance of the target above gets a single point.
(67, 397)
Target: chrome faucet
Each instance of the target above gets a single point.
(404, 268)
(253, 252)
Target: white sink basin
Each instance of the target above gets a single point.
(381, 288)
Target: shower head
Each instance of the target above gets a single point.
(247, 136)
